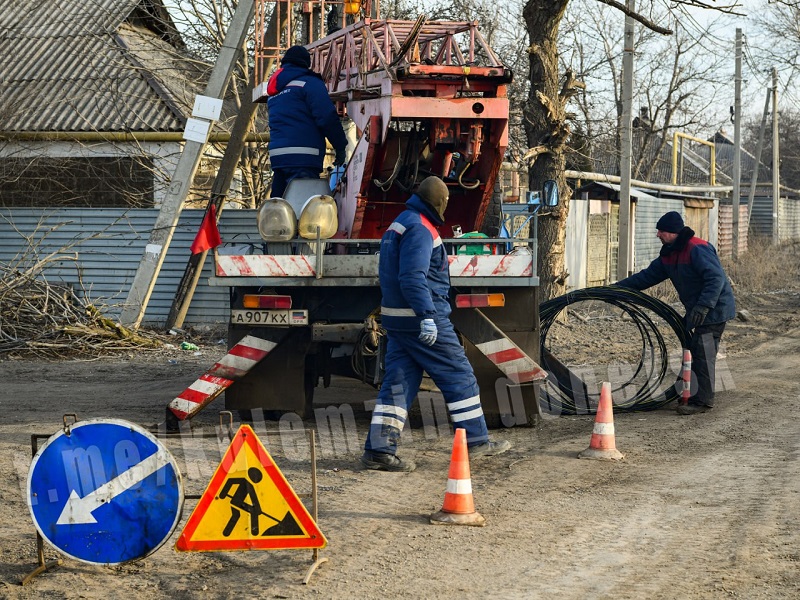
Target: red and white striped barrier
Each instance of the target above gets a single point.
(511, 360)
(265, 265)
(286, 265)
(510, 265)
(495, 345)
(233, 366)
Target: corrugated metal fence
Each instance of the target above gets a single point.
(788, 219)
(725, 229)
(648, 212)
(97, 251)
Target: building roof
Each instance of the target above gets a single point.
(652, 161)
(694, 161)
(725, 150)
(96, 65)
(610, 191)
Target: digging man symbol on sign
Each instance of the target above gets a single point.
(239, 501)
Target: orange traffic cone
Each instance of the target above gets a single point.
(602, 445)
(686, 375)
(459, 507)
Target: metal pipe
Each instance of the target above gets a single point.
(712, 167)
(737, 146)
(663, 187)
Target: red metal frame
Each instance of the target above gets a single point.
(434, 88)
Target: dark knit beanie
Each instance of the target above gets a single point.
(671, 222)
(298, 56)
(434, 192)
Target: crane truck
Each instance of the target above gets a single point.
(421, 98)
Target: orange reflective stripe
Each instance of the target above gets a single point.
(429, 226)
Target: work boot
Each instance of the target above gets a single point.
(489, 449)
(692, 409)
(382, 461)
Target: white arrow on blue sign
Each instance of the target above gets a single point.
(105, 492)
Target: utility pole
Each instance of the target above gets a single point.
(759, 150)
(624, 255)
(219, 192)
(224, 177)
(776, 157)
(157, 245)
(737, 145)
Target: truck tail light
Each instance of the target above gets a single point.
(479, 300)
(259, 301)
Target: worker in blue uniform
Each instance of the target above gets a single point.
(415, 284)
(301, 117)
(693, 267)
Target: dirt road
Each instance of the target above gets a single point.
(706, 506)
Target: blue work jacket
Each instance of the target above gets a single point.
(693, 267)
(413, 269)
(301, 116)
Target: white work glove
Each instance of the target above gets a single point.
(428, 332)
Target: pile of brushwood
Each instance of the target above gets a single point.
(42, 320)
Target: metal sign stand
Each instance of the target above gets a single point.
(228, 428)
(44, 566)
(315, 556)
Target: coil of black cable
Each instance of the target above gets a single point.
(559, 395)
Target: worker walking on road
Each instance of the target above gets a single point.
(415, 309)
(693, 267)
(301, 116)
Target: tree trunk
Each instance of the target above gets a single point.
(547, 133)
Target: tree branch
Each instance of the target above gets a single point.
(552, 115)
(533, 153)
(727, 9)
(571, 85)
(637, 17)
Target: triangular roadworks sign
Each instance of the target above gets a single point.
(249, 505)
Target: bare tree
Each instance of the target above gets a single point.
(789, 142)
(203, 24)
(547, 126)
(676, 81)
(777, 40)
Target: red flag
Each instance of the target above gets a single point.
(208, 235)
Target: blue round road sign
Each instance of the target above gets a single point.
(106, 492)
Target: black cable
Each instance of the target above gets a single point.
(566, 394)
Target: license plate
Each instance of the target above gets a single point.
(269, 317)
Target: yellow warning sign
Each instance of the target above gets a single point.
(249, 505)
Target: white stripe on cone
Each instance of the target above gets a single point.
(603, 428)
(459, 486)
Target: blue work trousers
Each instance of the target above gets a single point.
(406, 358)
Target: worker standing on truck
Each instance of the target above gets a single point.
(415, 309)
(301, 116)
(694, 268)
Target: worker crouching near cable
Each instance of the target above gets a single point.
(415, 311)
(693, 267)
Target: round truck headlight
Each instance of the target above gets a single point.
(318, 211)
(276, 221)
